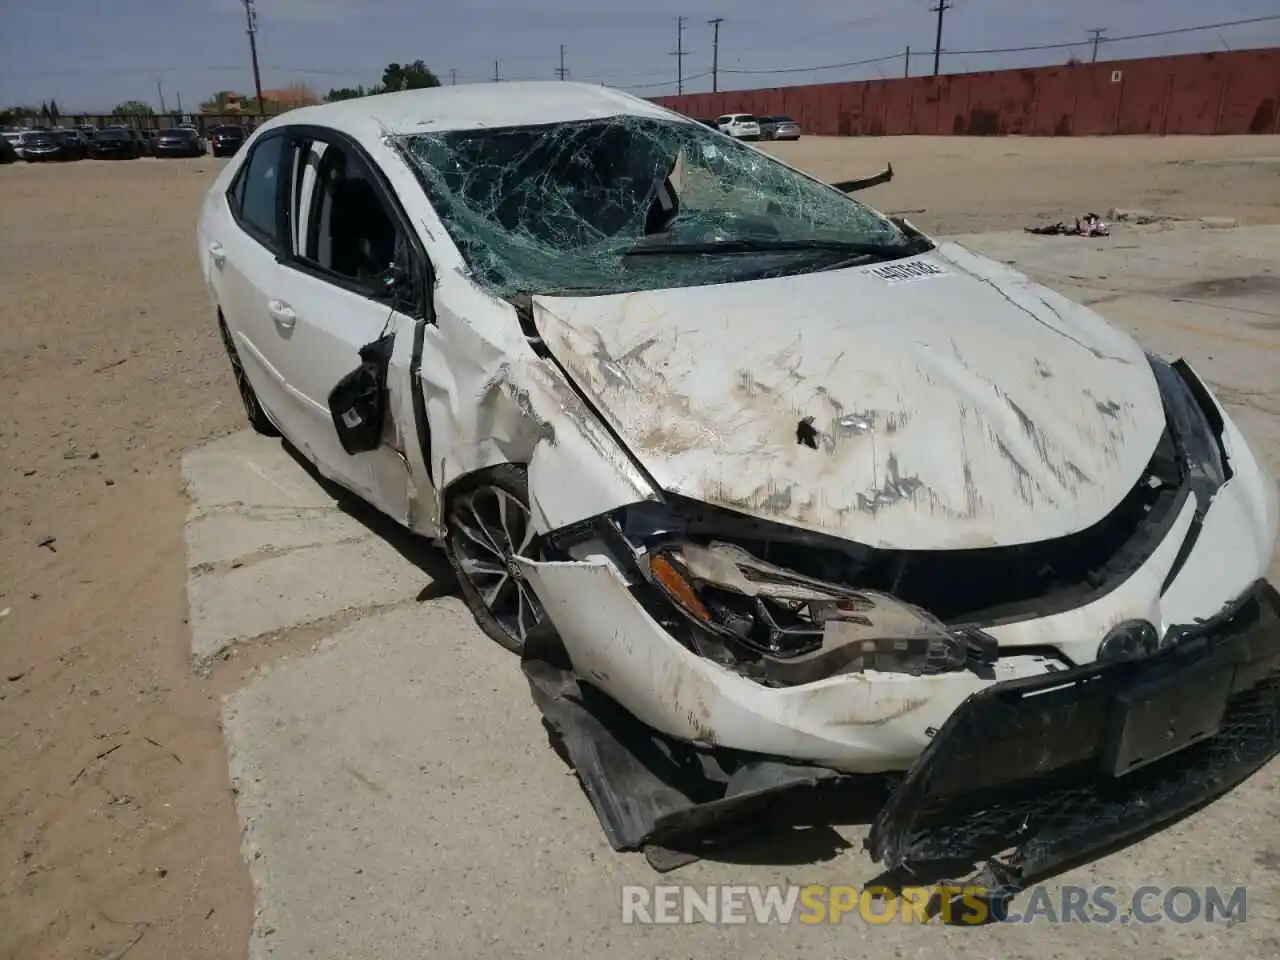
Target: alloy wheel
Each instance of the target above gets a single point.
(489, 528)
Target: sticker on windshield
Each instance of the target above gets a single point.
(906, 272)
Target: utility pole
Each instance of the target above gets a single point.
(715, 53)
(251, 13)
(906, 62)
(180, 110)
(940, 9)
(562, 73)
(453, 76)
(497, 73)
(1097, 39)
(679, 54)
(160, 91)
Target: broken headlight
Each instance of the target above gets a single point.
(800, 629)
(1196, 427)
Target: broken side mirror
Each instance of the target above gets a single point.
(401, 288)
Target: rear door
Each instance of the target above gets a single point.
(248, 234)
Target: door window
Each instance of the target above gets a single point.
(346, 228)
(255, 192)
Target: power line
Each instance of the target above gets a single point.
(1027, 48)
(814, 69)
(664, 83)
(621, 80)
(715, 53)
(1132, 36)
(940, 9)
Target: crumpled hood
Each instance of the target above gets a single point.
(943, 401)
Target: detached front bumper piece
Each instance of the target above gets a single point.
(1056, 771)
(1026, 779)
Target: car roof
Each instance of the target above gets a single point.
(474, 105)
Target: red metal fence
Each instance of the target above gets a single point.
(1206, 93)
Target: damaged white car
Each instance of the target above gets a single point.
(766, 487)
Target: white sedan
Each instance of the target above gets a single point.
(791, 484)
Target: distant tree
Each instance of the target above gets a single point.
(132, 108)
(218, 103)
(44, 111)
(345, 93)
(54, 112)
(408, 76)
(17, 115)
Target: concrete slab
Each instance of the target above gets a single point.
(268, 548)
(399, 797)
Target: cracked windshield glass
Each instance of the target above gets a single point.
(634, 203)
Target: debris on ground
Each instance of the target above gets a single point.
(1090, 225)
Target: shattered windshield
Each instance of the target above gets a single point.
(634, 203)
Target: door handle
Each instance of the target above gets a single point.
(218, 253)
(282, 314)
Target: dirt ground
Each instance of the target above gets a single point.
(117, 823)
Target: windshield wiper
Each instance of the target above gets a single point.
(850, 248)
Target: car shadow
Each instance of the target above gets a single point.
(417, 550)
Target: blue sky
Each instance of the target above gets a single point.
(91, 54)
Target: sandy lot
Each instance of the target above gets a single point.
(117, 822)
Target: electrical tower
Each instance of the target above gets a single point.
(453, 76)
(497, 72)
(563, 72)
(715, 53)
(251, 13)
(1097, 38)
(679, 53)
(942, 7)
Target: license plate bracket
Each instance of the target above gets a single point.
(1166, 714)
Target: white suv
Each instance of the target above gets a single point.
(744, 126)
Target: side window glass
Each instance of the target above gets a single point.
(350, 229)
(261, 180)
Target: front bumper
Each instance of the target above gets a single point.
(1063, 769)
(1028, 765)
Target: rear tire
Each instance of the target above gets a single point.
(253, 411)
(488, 522)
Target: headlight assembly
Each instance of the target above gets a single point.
(801, 629)
(1196, 427)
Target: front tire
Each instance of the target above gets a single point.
(488, 524)
(253, 411)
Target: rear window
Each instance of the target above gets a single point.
(228, 131)
(783, 120)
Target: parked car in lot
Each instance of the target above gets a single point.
(226, 139)
(8, 153)
(779, 128)
(743, 126)
(13, 142)
(178, 142)
(114, 143)
(204, 144)
(40, 146)
(77, 143)
(967, 534)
